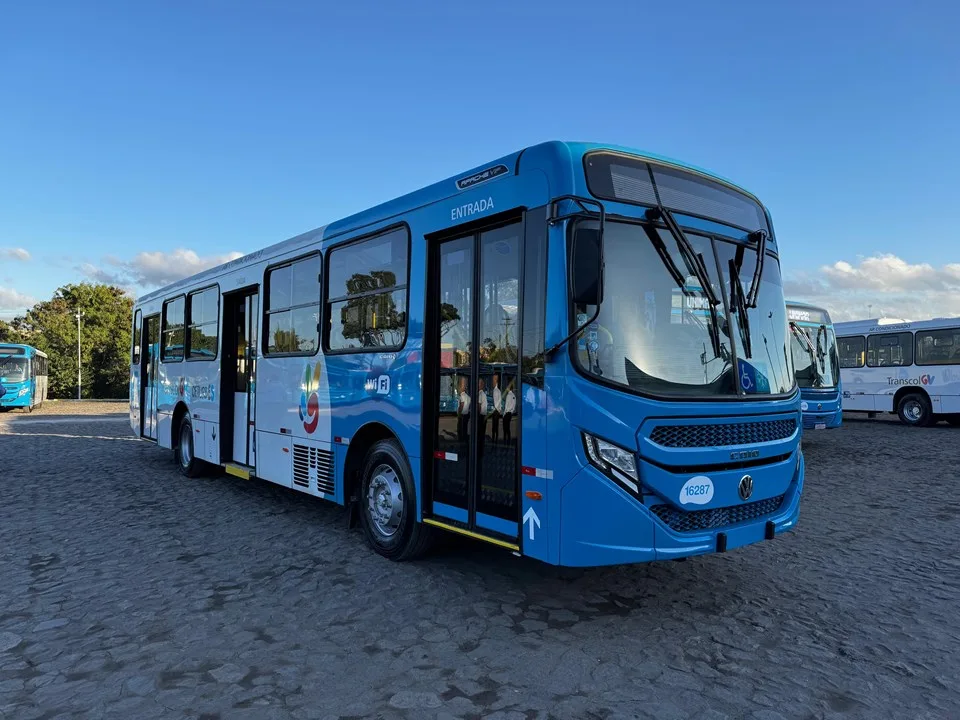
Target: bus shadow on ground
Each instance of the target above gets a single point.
(536, 588)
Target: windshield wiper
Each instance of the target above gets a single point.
(760, 237)
(739, 302)
(808, 346)
(821, 353)
(694, 262)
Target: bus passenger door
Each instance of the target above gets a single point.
(149, 376)
(472, 483)
(238, 396)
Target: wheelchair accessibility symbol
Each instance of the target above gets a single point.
(746, 382)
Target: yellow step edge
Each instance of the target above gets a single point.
(237, 471)
(469, 533)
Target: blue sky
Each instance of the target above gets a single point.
(143, 139)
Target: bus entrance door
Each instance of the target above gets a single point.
(148, 377)
(472, 483)
(238, 401)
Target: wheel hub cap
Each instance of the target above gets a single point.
(913, 411)
(385, 501)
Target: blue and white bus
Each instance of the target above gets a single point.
(23, 377)
(817, 365)
(501, 355)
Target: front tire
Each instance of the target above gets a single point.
(187, 463)
(914, 410)
(388, 505)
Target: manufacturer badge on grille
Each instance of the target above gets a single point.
(745, 489)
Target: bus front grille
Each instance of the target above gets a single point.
(715, 518)
(723, 434)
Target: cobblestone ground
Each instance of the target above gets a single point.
(128, 591)
(68, 407)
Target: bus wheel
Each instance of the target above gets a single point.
(388, 505)
(914, 409)
(186, 462)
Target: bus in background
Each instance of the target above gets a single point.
(578, 353)
(816, 365)
(23, 376)
(908, 368)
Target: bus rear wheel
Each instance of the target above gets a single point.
(187, 463)
(388, 505)
(914, 410)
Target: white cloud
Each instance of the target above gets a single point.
(880, 286)
(152, 269)
(14, 254)
(13, 302)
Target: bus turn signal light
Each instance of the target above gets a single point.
(533, 495)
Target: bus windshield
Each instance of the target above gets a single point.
(13, 369)
(653, 334)
(816, 359)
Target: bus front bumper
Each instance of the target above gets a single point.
(13, 399)
(604, 525)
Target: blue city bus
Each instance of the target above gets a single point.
(817, 365)
(576, 352)
(23, 377)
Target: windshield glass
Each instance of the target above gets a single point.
(653, 335)
(13, 369)
(817, 365)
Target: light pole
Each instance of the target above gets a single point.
(78, 316)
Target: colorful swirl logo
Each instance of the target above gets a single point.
(309, 400)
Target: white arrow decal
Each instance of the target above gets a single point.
(530, 516)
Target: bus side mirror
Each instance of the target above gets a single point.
(586, 267)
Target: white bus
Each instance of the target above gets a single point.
(908, 368)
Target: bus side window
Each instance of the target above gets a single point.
(137, 322)
(851, 350)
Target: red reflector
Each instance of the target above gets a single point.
(286, 450)
(438, 454)
(338, 439)
(534, 495)
(528, 470)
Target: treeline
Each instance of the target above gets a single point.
(51, 326)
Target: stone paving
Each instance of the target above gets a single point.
(128, 591)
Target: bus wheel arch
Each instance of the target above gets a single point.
(913, 406)
(379, 483)
(181, 429)
(179, 412)
(360, 444)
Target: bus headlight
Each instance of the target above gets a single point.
(613, 461)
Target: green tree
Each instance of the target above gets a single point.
(51, 326)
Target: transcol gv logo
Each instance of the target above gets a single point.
(924, 379)
(309, 400)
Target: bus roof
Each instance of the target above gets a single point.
(557, 156)
(27, 350)
(890, 325)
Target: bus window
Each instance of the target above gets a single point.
(367, 294)
(203, 312)
(938, 347)
(895, 349)
(172, 336)
(137, 322)
(293, 307)
(851, 351)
